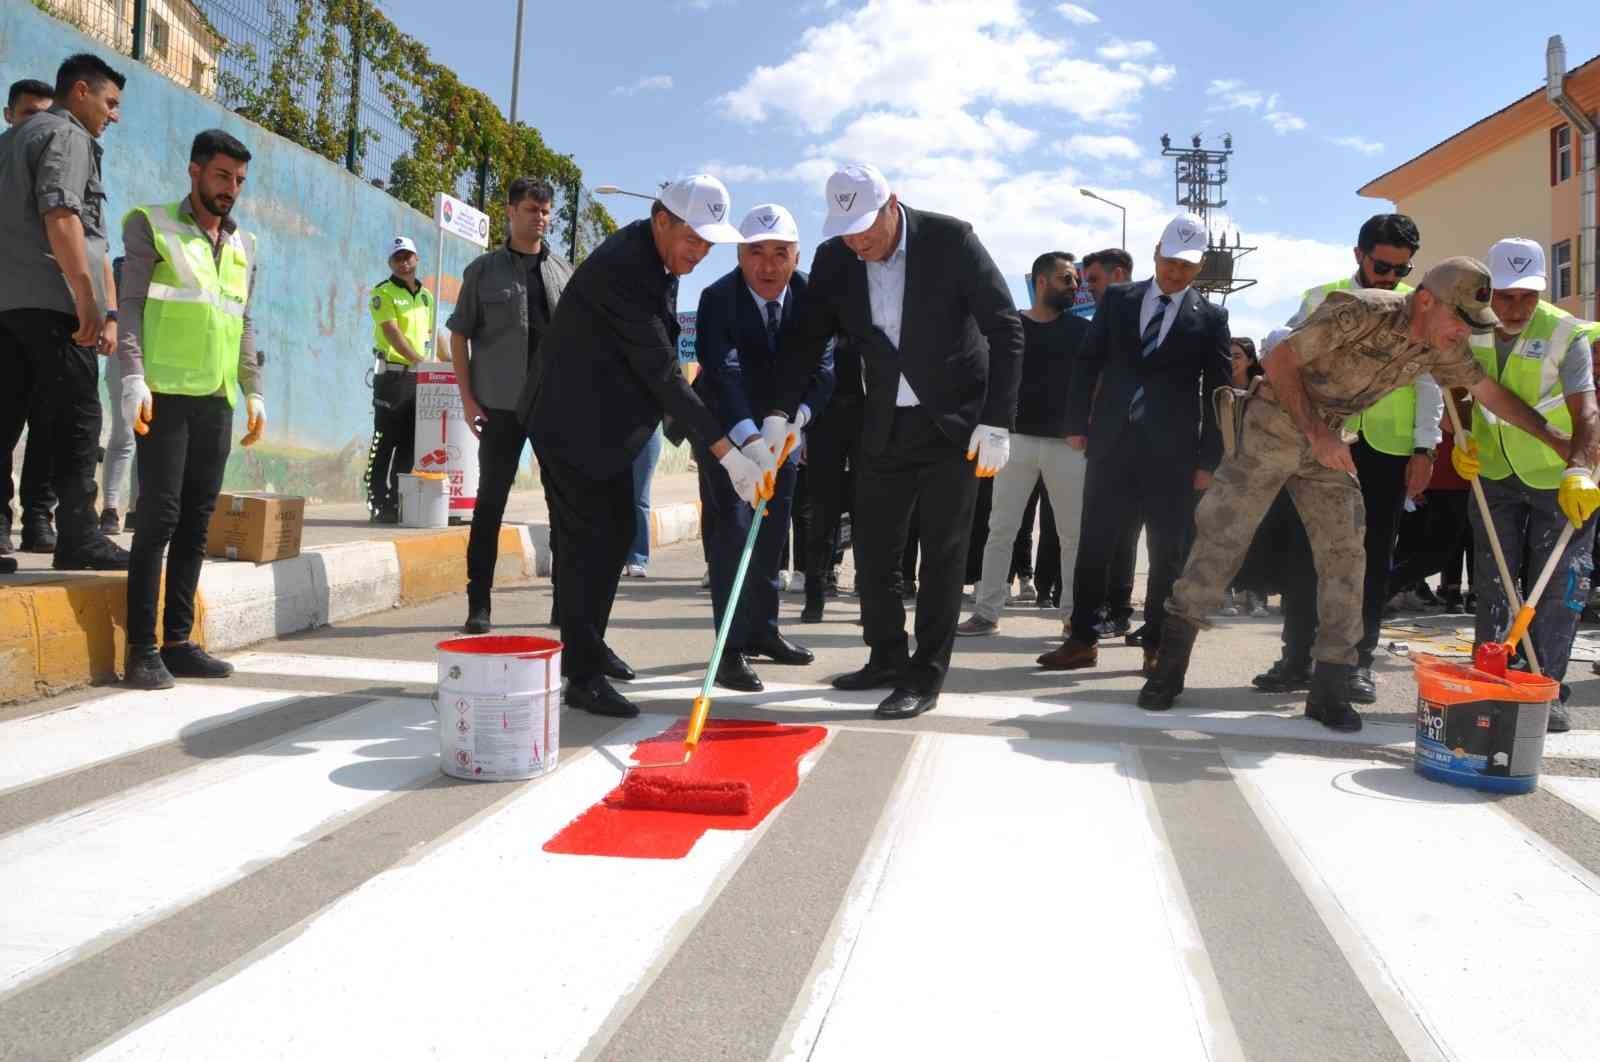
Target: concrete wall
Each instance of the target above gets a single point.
(321, 234)
(1503, 193)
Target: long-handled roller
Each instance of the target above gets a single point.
(707, 796)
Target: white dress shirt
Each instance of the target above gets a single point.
(886, 292)
(1147, 309)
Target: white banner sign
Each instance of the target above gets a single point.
(444, 442)
(463, 219)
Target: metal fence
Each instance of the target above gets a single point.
(302, 69)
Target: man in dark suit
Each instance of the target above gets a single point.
(1159, 351)
(941, 347)
(832, 443)
(738, 325)
(609, 368)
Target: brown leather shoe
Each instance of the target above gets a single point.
(1151, 653)
(1071, 655)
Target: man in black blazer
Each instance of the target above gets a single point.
(610, 367)
(737, 331)
(1158, 351)
(941, 348)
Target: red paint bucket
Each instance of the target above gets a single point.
(499, 707)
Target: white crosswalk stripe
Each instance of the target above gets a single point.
(1018, 885)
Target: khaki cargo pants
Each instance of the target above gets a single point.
(1272, 454)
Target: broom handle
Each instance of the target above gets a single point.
(1506, 582)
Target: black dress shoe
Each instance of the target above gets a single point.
(781, 650)
(735, 673)
(38, 536)
(597, 696)
(1135, 637)
(615, 667)
(477, 621)
(143, 670)
(188, 660)
(871, 677)
(101, 555)
(905, 704)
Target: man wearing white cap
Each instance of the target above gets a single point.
(609, 371)
(737, 329)
(402, 338)
(1540, 353)
(1154, 348)
(941, 347)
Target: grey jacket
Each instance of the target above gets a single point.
(492, 313)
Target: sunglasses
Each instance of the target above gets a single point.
(1383, 269)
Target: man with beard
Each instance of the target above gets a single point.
(187, 350)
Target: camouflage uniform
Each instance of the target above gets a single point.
(1352, 352)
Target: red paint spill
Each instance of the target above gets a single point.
(764, 755)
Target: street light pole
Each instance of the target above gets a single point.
(516, 66)
(1119, 206)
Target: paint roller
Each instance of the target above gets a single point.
(682, 791)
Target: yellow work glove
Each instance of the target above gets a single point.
(1464, 458)
(1578, 496)
(255, 420)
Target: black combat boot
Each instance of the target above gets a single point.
(1329, 700)
(1172, 663)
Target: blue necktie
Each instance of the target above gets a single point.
(1147, 346)
(774, 308)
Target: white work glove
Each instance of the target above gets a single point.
(747, 475)
(138, 406)
(991, 448)
(783, 435)
(255, 420)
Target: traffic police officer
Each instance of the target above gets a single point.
(1393, 452)
(402, 338)
(1357, 348)
(1540, 353)
(187, 348)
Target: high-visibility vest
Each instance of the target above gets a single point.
(412, 313)
(194, 310)
(1533, 374)
(1389, 424)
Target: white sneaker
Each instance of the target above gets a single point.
(783, 580)
(634, 571)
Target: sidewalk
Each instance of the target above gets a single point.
(61, 630)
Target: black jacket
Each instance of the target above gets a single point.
(739, 370)
(1178, 378)
(960, 336)
(611, 361)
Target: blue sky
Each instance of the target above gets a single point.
(998, 110)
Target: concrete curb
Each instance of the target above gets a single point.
(72, 631)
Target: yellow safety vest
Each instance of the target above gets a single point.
(194, 311)
(1533, 374)
(1389, 425)
(412, 313)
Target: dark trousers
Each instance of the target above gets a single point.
(921, 471)
(19, 408)
(499, 456)
(1119, 597)
(1383, 493)
(67, 380)
(394, 436)
(1123, 486)
(591, 527)
(1047, 566)
(831, 451)
(1443, 535)
(755, 619)
(181, 462)
(799, 524)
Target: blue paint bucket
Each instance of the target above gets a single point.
(1480, 730)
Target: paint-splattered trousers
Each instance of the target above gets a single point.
(1528, 522)
(1272, 454)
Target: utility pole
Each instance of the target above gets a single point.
(516, 66)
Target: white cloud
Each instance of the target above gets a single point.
(1085, 146)
(1079, 16)
(1232, 94)
(1356, 143)
(1119, 50)
(1284, 122)
(657, 83)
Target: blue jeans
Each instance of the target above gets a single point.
(644, 469)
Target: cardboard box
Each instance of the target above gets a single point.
(256, 527)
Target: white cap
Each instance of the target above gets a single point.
(401, 244)
(769, 221)
(1184, 238)
(703, 202)
(855, 194)
(1516, 263)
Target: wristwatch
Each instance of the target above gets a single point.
(111, 315)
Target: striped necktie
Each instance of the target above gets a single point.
(1147, 346)
(774, 309)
